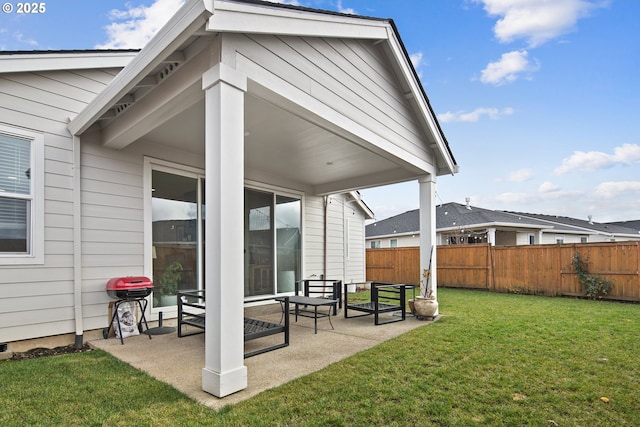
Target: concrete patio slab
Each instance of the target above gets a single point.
(179, 361)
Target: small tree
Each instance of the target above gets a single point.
(594, 286)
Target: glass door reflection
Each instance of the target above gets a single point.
(175, 235)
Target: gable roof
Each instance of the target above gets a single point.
(203, 18)
(453, 216)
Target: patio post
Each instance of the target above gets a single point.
(224, 371)
(427, 188)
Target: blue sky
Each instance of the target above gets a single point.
(540, 100)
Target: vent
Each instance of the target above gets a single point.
(168, 70)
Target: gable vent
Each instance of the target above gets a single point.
(147, 84)
(167, 71)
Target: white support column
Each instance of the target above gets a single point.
(224, 372)
(491, 236)
(427, 185)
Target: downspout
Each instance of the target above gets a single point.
(325, 248)
(77, 245)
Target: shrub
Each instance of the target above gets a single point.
(593, 286)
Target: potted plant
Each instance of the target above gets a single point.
(168, 284)
(425, 305)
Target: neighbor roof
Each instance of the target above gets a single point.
(588, 225)
(453, 216)
(634, 224)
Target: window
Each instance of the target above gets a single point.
(584, 239)
(393, 243)
(21, 191)
(559, 240)
(532, 239)
(375, 244)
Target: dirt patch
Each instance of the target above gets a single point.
(43, 352)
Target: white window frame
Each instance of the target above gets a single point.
(391, 245)
(36, 198)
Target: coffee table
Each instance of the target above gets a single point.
(314, 302)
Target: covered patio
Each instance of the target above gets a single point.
(179, 361)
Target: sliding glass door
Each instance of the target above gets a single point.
(176, 235)
(272, 237)
(273, 242)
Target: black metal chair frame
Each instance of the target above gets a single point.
(384, 298)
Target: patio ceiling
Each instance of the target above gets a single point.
(280, 144)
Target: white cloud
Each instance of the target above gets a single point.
(594, 160)
(508, 68)
(520, 175)
(135, 26)
(21, 39)
(347, 10)
(618, 188)
(548, 187)
(475, 115)
(537, 21)
(535, 198)
(416, 60)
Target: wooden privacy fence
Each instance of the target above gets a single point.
(534, 269)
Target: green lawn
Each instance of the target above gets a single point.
(493, 359)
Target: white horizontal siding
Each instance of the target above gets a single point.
(335, 237)
(112, 224)
(355, 270)
(313, 234)
(352, 76)
(37, 300)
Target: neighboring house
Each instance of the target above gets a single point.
(283, 112)
(466, 224)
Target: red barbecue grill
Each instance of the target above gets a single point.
(128, 289)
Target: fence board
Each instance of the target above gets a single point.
(535, 269)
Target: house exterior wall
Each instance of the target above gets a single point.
(508, 239)
(355, 264)
(37, 299)
(334, 71)
(403, 241)
(40, 303)
(347, 264)
(112, 212)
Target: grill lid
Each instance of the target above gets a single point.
(129, 283)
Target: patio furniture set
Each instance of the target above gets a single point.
(315, 293)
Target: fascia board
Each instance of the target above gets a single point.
(251, 19)
(494, 225)
(398, 52)
(179, 28)
(387, 236)
(368, 213)
(45, 61)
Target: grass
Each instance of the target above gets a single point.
(493, 359)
